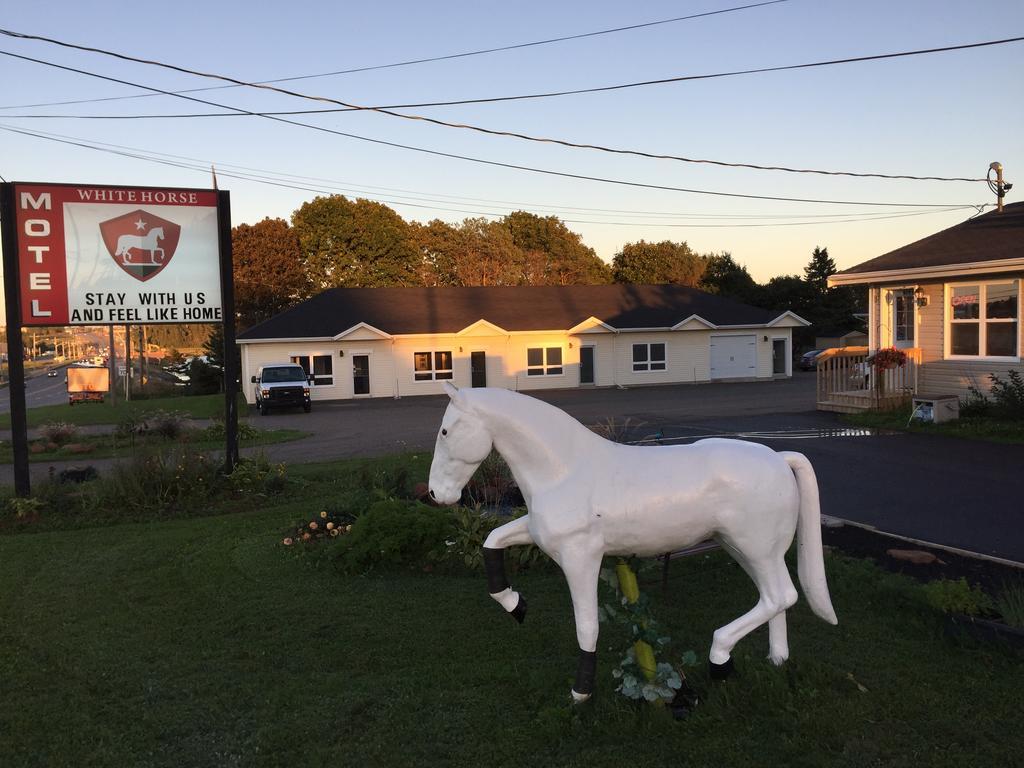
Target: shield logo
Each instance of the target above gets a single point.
(140, 243)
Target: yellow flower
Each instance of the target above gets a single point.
(313, 526)
(348, 528)
(334, 532)
(330, 526)
(323, 514)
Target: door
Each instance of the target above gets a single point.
(478, 368)
(779, 357)
(903, 318)
(360, 374)
(733, 357)
(586, 365)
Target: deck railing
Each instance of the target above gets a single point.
(846, 381)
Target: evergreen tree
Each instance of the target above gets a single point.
(820, 268)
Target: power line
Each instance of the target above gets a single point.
(539, 139)
(410, 62)
(201, 166)
(469, 158)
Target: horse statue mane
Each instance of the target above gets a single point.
(588, 497)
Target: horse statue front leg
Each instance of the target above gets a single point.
(511, 534)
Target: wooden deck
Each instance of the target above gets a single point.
(847, 384)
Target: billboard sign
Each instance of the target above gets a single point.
(98, 255)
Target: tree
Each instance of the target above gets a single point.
(818, 271)
(722, 275)
(355, 244)
(475, 252)
(658, 263)
(268, 272)
(832, 308)
(554, 254)
(790, 292)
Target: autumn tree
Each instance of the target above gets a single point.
(355, 244)
(268, 270)
(554, 255)
(658, 263)
(475, 252)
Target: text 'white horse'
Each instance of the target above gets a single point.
(588, 497)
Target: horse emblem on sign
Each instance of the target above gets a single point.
(140, 243)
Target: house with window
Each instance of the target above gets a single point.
(396, 342)
(951, 301)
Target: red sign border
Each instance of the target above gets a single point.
(43, 239)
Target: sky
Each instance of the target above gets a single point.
(946, 114)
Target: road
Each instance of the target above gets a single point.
(40, 390)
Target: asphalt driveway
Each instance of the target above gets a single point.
(943, 490)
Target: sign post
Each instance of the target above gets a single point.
(80, 254)
(15, 345)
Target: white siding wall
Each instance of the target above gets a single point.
(953, 377)
(392, 361)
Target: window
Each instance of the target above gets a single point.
(982, 319)
(544, 361)
(649, 357)
(432, 366)
(320, 366)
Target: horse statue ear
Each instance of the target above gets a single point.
(458, 399)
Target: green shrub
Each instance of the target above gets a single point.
(256, 476)
(471, 529)
(385, 482)
(958, 597)
(974, 403)
(395, 534)
(217, 431)
(1010, 604)
(1008, 396)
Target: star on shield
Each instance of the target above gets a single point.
(140, 242)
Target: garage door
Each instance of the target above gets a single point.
(733, 357)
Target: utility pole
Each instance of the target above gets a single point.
(998, 187)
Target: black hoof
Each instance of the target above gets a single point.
(721, 671)
(519, 612)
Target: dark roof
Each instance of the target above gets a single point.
(518, 308)
(990, 237)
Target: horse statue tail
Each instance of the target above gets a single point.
(810, 556)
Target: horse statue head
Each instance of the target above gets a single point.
(462, 444)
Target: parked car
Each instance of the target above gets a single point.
(281, 385)
(808, 360)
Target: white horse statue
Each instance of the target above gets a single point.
(147, 242)
(588, 497)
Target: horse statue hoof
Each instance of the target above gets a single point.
(721, 671)
(519, 612)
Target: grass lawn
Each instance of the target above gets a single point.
(110, 445)
(205, 642)
(969, 427)
(198, 407)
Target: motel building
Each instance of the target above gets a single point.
(398, 342)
